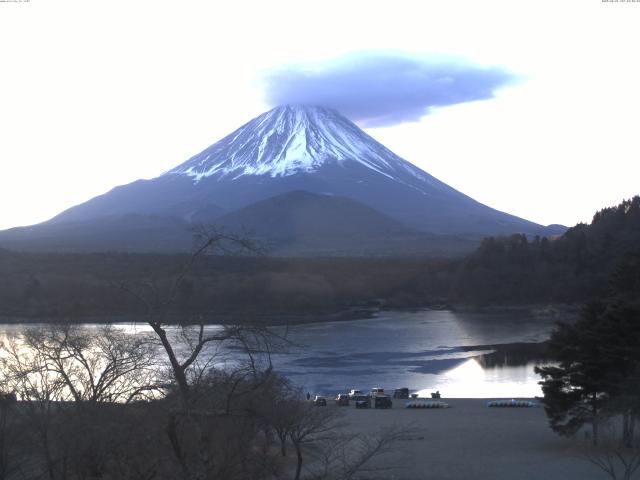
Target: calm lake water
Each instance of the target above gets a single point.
(419, 350)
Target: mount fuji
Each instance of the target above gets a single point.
(295, 175)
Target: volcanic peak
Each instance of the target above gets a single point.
(293, 139)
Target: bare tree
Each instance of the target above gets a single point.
(346, 455)
(53, 367)
(334, 453)
(25, 374)
(183, 351)
(278, 410)
(105, 365)
(10, 458)
(619, 459)
(209, 384)
(311, 424)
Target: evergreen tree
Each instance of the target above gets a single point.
(575, 390)
(599, 371)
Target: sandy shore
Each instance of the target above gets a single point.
(471, 441)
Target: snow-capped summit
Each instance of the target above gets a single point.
(293, 139)
(296, 174)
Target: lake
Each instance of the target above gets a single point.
(419, 350)
(423, 350)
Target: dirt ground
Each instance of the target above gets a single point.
(471, 441)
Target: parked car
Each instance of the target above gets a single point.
(320, 401)
(362, 401)
(382, 401)
(342, 400)
(375, 391)
(353, 393)
(401, 393)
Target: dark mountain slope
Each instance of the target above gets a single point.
(122, 233)
(300, 222)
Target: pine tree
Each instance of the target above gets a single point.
(598, 375)
(575, 390)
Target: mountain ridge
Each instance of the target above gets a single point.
(300, 148)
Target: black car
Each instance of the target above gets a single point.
(401, 393)
(362, 401)
(382, 401)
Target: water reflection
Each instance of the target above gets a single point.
(471, 379)
(426, 351)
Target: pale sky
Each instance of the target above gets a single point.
(95, 94)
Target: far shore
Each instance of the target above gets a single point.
(559, 311)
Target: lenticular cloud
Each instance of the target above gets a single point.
(383, 89)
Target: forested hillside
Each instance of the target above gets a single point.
(78, 286)
(571, 268)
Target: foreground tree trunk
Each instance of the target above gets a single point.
(594, 423)
(628, 428)
(298, 461)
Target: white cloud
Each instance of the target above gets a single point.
(95, 94)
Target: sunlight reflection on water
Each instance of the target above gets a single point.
(420, 350)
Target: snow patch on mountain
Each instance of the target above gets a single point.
(294, 139)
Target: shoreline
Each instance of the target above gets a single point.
(543, 310)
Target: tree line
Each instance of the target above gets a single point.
(503, 270)
(595, 383)
(83, 287)
(572, 268)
